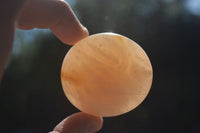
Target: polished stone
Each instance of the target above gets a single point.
(106, 74)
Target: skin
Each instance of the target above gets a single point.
(60, 19)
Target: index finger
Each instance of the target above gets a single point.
(69, 29)
(54, 14)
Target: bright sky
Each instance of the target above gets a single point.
(70, 2)
(193, 6)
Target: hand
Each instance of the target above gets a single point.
(79, 123)
(58, 16)
(27, 14)
(54, 14)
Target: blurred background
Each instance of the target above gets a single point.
(31, 96)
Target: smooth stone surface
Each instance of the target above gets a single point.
(106, 74)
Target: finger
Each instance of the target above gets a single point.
(68, 29)
(79, 123)
(8, 12)
(9, 9)
(54, 14)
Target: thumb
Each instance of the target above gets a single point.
(79, 123)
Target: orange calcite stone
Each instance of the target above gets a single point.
(106, 74)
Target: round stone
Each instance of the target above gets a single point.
(106, 74)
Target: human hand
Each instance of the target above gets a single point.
(54, 14)
(79, 123)
(27, 14)
(58, 16)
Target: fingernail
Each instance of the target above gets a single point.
(85, 30)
